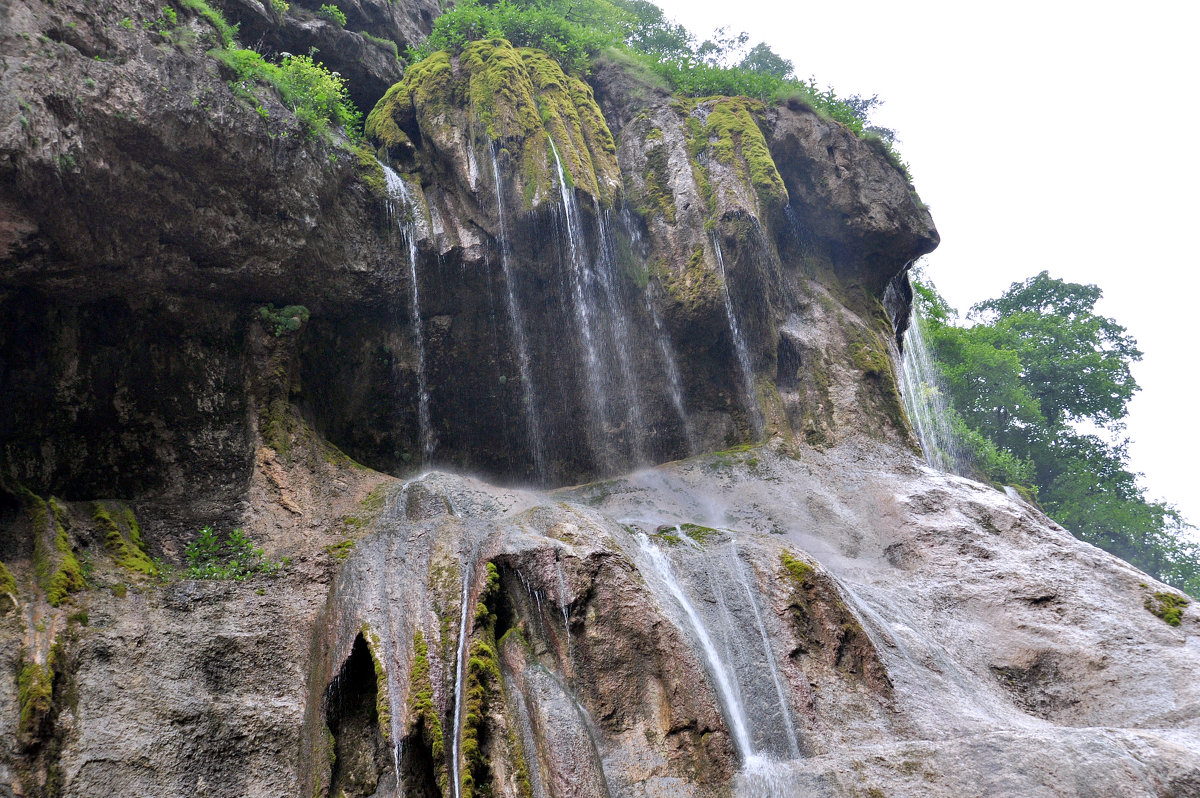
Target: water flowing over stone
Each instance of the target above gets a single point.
(925, 401)
(746, 370)
(404, 211)
(516, 321)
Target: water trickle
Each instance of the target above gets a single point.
(924, 401)
(533, 426)
(403, 210)
(739, 346)
(584, 308)
(564, 602)
(730, 699)
(739, 570)
(670, 368)
(458, 677)
(621, 340)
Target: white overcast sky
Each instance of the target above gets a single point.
(1043, 135)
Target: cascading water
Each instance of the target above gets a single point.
(533, 427)
(755, 703)
(739, 346)
(593, 368)
(730, 698)
(768, 654)
(925, 402)
(619, 331)
(671, 369)
(403, 210)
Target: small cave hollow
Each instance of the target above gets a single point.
(361, 761)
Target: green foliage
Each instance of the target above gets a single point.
(1168, 606)
(226, 33)
(333, 14)
(422, 712)
(387, 44)
(236, 557)
(280, 7)
(283, 320)
(797, 570)
(316, 96)
(574, 32)
(1039, 385)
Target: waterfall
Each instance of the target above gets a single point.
(671, 368)
(533, 427)
(739, 346)
(739, 570)
(459, 657)
(730, 697)
(577, 266)
(925, 402)
(619, 332)
(403, 209)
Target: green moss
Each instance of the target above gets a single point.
(518, 98)
(55, 566)
(278, 425)
(383, 704)
(123, 537)
(869, 355)
(340, 551)
(1168, 606)
(659, 197)
(422, 712)
(797, 570)
(695, 288)
(370, 172)
(35, 691)
(483, 684)
(7, 583)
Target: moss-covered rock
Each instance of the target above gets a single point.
(123, 537)
(423, 714)
(55, 566)
(515, 100)
(1168, 606)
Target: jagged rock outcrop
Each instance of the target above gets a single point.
(209, 316)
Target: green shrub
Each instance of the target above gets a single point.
(235, 557)
(317, 96)
(280, 7)
(284, 320)
(333, 14)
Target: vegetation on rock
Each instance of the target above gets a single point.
(236, 557)
(123, 537)
(1168, 606)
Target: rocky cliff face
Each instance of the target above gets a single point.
(209, 317)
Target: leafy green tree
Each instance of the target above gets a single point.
(1036, 384)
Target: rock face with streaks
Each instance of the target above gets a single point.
(685, 309)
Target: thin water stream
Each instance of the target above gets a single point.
(533, 427)
(739, 346)
(403, 209)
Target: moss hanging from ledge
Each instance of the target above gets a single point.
(732, 135)
(123, 537)
(518, 98)
(423, 715)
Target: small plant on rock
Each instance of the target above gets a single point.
(333, 14)
(235, 557)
